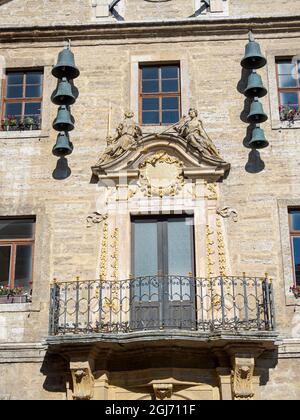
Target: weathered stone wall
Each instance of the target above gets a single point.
(65, 247)
(59, 12)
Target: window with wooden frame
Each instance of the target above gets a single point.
(159, 94)
(22, 100)
(288, 82)
(294, 223)
(16, 252)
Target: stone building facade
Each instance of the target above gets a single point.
(207, 330)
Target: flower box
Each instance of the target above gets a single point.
(296, 290)
(4, 299)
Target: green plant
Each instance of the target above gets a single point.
(7, 290)
(296, 290)
(29, 121)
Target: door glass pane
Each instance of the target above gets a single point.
(180, 257)
(296, 248)
(145, 248)
(145, 261)
(23, 269)
(5, 253)
(16, 229)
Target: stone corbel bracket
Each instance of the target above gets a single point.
(83, 380)
(163, 391)
(242, 378)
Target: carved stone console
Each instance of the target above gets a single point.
(163, 391)
(242, 378)
(83, 380)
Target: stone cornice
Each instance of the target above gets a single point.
(262, 26)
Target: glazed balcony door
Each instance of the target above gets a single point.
(162, 291)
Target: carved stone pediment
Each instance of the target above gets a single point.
(186, 162)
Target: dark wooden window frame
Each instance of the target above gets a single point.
(286, 90)
(13, 243)
(159, 94)
(293, 234)
(22, 100)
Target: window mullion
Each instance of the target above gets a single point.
(13, 265)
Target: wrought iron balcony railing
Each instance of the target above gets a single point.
(162, 303)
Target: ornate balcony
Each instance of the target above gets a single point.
(161, 304)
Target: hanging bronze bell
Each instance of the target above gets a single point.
(253, 58)
(63, 94)
(258, 140)
(257, 114)
(65, 66)
(63, 146)
(64, 120)
(255, 87)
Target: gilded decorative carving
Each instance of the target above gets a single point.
(228, 212)
(163, 391)
(212, 193)
(209, 251)
(95, 218)
(242, 378)
(161, 175)
(103, 257)
(113, 302)
(83, 382)
(221, 249)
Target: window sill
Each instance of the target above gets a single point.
(20, 307)
(23, 134)
(285, 125)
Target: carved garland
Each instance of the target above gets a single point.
(113, 303)
(209, 252)
(212, 193)
(103, 258)
(221, 249)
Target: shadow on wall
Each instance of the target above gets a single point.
(62, 170)
(57, 373)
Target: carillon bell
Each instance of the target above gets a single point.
(253, 58)
(64, 120)
(65, 66)
(63, 146)
(258, 140)
(63, 94)
(255, 87)
(257, 114)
